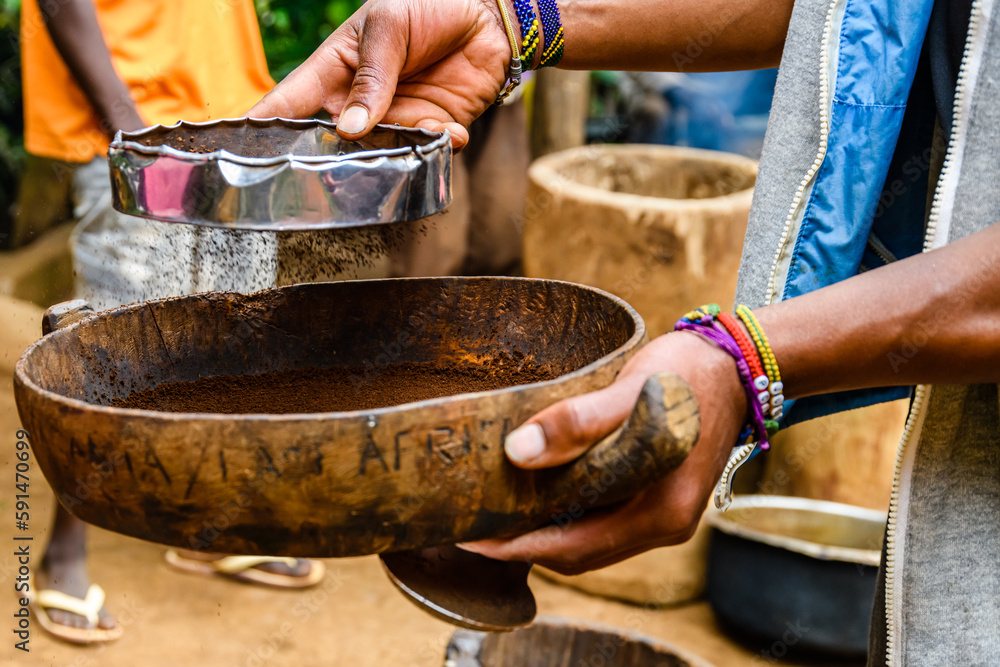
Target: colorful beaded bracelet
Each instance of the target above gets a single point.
(704, 322)
(761, 380)
(776, 387)
(552, 52)
(529, 30)
(758, 371)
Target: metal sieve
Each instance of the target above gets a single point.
(279, 175)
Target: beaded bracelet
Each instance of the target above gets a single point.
(529, 30)
(776, 387)
(552, 52)
(746, 346)
(704, 322)
(751, 361)
(761, 381)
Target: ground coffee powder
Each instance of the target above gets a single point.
(325, 390)
(302, 256)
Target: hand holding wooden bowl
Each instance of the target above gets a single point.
(343, 483)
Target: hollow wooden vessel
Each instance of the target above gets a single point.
(555, 642)
(660, 226)
(320, 485)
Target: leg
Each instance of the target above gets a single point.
(43, 200)
(64, 569)
(64, 564)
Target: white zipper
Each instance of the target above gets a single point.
(898, 516)
(827, 83)
(724, 489)
(939, 220)
(938, 232)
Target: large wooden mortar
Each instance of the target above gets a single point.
(323, 485)
(662, 227)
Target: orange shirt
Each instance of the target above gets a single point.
(181, 59)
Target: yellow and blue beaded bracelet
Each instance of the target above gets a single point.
(552, 51)
(529, 30)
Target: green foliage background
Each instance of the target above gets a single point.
(11, 123)
(292, 29)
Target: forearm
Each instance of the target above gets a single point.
(933, 318)
(673, 35)
(77, 36)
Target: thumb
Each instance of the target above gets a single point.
(564, 431)
(296, 96)
(382, 50)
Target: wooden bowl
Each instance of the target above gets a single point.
(318, 485)
(559, 642)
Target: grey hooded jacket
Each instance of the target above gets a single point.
(939, 588)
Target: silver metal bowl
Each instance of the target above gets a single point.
(279, 175)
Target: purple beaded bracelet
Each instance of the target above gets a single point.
(715, 333)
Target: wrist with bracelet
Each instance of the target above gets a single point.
(759, 375)
(544, 36)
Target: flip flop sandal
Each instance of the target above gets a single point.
(244, 568)
(39, 602)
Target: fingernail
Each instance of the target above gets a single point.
(468, 546)
(354, 120)
(525, 443)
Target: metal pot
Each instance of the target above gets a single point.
(794, 575)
